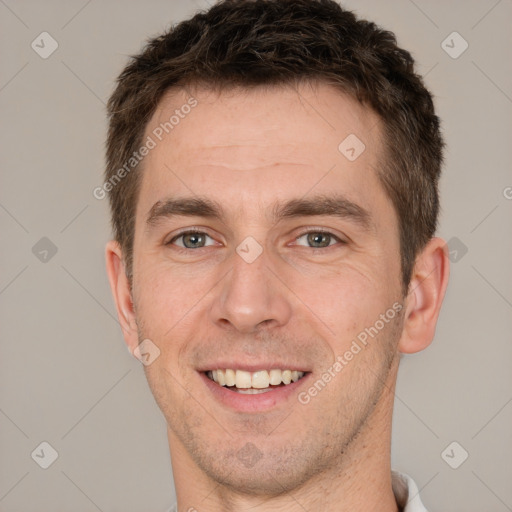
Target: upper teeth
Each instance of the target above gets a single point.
(259, 380)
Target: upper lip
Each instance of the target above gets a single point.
(252, 367)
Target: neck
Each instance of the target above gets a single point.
(359, 482)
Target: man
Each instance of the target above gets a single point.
(272, 168)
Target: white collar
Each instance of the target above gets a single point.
(406, 492)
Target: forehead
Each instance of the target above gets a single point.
(288, 116)
(246, 147)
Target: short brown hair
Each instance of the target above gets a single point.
(269, 42)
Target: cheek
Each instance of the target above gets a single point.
(164, 296)
(347, 301)
(168, 306)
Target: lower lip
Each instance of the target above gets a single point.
(253, 403)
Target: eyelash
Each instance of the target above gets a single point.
(197, 231)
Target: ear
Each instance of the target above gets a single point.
(120, 287)
(426, 292)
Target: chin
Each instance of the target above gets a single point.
(268, 471)
(265, 479)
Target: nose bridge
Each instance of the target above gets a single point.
(251, 295)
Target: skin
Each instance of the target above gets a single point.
(296, 304)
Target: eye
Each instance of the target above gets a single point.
(190, 240)
(319, 239)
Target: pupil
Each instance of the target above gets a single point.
(193, 238)
(315, 238)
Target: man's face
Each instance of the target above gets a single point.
(270, 284)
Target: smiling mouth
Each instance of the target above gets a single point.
(252, 383)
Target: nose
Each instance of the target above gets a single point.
(251, 297)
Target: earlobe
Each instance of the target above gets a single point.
(121, 292)
(425, 297)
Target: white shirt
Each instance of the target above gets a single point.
(405, 491)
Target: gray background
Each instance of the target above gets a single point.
(66, 377)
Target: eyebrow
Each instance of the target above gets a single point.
(319, 205)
